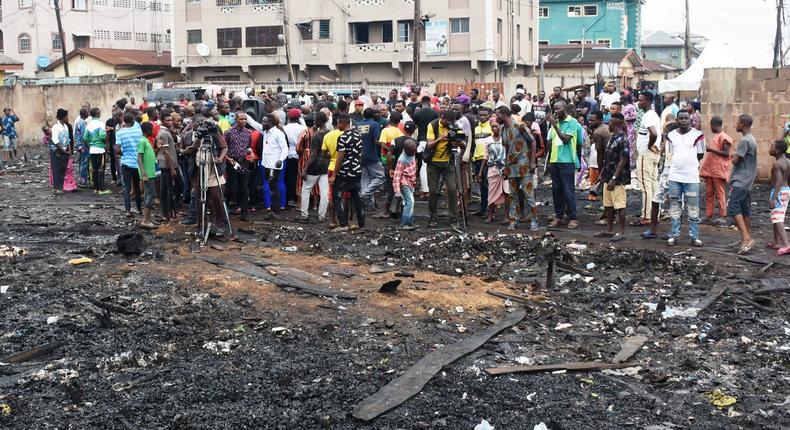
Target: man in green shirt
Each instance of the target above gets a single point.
(146, 166)
(95, 138)
(565, 137)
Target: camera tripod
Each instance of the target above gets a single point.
(459, 188)
(205, 156)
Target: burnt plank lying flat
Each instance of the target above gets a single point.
(32, 353)
(629, 348)
(280, 280)
(410, 383)
(588, 366)
(711, 298)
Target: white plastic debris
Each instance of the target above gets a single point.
(540, 426)
(562, 326)
(484, 425)
(745, 340)
(531, 397)
(459, 271)
(290, 249)
(576, 246)
(690, 312)
(218, 346)
(525, 361)
(459, 309)
(431, 311)
(590, 266)
(52, 320)
(4, 288)
(278, 330)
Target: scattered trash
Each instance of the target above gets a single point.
(52, 320)
(484, 425)
(80, 261)
(5, 410)
(390, 287)
(531, 397)
(576, 246)
(590, 266)
(290, 249)
(279, 330)
(540, 426)
(527, 361)
(670, 312)
(4, 288)
(459, 309)
(431, 311)
(745, 340)
(628, 371)
(562, 326)
(461, 329)
(11, 251)
(719, 399)
(219, 346)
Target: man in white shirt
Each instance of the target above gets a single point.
(305, 99)
(687, 146)
(522, 102)
(608, 96)
(274, 153)
(649, 155)
(293, 130)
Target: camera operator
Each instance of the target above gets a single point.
(444, 137)
(207, 132)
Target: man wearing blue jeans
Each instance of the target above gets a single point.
(687, 146)
(565, 137)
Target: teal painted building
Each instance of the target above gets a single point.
(616, 23)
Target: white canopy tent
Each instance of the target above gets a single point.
(714, 56)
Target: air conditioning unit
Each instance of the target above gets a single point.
(674, 55)
(230, 51)
(264, 51)
(315, 51)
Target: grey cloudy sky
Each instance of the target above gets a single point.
(745, 26)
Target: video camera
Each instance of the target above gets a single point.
(455, 133)
(205, 129)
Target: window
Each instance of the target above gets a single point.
(101, 2)
(543, 12)
(1, 40)
(57, 42)
(305, 30)
(360, 33)
(500, 4)
(81, 42)
(122, 35)
(79, 4)
(530, 35)
(122, 3)
(459, 25)
(386, 32)
(404, 31)
(194, 36)
(543, 42)
(574, 42)
(156, 6)
(193, 1)
(323, 29)
(156, 38)
(499, 26)
(101, 34)
(24, 43)
(167, 38)
(262, 36)
(141, 37)
(229, 37)
(140, 5)
(25, 3)
(518, 40)
(607, 42)
(586, 10)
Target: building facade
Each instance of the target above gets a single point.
(28, 28)
(353, 40)
(613, 23)
(669, 48)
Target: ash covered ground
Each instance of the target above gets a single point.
(166, 340)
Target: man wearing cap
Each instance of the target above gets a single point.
(373, 175)
(59, 150)
(359, 108)
(293, 129)
(388, 136)
(521, 101)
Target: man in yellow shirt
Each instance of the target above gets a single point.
(482, 133)
(439, 149)
(388, 135)
(329, 151)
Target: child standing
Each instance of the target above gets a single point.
(494, 163)
(146, 165)
(780, 195)
(403, 182)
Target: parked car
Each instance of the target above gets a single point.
(168, 96)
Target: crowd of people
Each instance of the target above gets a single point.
(346, 157)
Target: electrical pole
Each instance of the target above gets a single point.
(415, 74)
(62, 39)
(285, 41)
(687, 37)
(778, 53)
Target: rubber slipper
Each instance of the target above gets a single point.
(783, 251)
(603, 234)
(746, 248)
(771, 245)
(573, 224)
(617, 238)
(649, 235)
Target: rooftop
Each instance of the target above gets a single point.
(8, 63)
(121, 57)
(572, 54)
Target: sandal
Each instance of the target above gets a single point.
(556, 223)
(783, 251)
(600, 222)
(649, 235)
(771, 245)
(617, 238)
(573, 224)
(638, 222)
(603, 234)
(745, 248)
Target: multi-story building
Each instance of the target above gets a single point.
(669, 48)
(29, 31)
(354, 40)
(613, 23)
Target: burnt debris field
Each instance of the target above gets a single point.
(292, 327)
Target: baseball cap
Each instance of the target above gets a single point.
(410, 126)
(520, 91)
(358, 102)
(294, 113)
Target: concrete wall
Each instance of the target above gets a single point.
(762, 93)
(36, 105)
